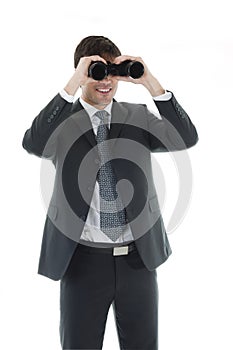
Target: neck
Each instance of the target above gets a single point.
(97, 106)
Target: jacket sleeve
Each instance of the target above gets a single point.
(40, 139)
(174, 131)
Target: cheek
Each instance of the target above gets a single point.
(115, 86)
(90, 90)
(88, 87)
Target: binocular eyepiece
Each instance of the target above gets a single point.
(99, 70)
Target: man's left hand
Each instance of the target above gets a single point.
(147, 79)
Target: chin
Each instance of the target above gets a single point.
(104, 101)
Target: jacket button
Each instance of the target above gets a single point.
(49, 120)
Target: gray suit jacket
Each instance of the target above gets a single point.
(62, 132)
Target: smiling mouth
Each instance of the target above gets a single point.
(104, 91)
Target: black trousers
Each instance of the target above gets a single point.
(93, 281)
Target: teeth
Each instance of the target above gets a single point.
(103, 90)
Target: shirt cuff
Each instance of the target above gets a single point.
(164, 97)
(67, 97)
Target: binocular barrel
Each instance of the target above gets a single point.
(98, 70)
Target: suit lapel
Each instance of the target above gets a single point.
(118, 118)
(82, 120)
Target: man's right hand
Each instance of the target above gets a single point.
(80, 76)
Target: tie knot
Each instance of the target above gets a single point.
(103, 115)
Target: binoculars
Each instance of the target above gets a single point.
(99, 70)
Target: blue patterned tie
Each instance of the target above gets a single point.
(112, 212)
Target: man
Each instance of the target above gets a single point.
(104, 241)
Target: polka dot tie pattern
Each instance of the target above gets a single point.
(112, 212)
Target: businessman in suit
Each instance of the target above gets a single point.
(102, 240)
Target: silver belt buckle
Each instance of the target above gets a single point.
(120, 250)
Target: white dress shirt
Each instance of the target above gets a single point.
(91, 231)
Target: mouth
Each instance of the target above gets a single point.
(104, 91)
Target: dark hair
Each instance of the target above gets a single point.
(96, 45)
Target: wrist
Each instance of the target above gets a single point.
(73, 85)
(154, 87)
(71, 89)
(66, 96)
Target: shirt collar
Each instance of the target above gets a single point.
(91, 110)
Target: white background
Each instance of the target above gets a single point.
(188, 46)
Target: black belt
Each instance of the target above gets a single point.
(119, 250)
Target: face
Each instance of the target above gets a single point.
(100, 93)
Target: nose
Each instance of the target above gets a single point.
(107, 78)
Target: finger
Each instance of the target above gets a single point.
(123, 58)
(97, 58)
